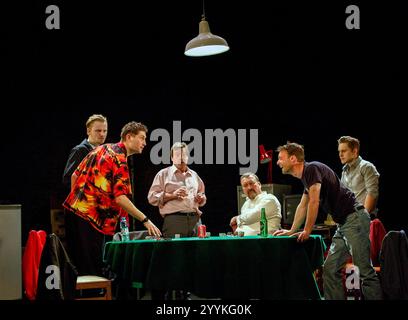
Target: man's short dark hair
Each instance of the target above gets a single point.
(293, 149)
(353, 143)
(133, 128)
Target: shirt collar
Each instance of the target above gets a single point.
(92, 145)
(259, 195)
(352, 164)
(174, 169)
(122, 146)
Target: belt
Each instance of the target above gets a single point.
(186, 214)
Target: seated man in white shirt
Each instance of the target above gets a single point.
(248, 220)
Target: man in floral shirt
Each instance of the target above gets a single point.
(100, 196)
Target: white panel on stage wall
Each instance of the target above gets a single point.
(10, 252)
(278, 190)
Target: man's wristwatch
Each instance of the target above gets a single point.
(145, 220)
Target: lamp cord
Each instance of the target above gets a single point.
(203, 15)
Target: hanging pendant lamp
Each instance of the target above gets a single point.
(206, 43)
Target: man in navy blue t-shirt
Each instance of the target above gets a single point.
(322, 188)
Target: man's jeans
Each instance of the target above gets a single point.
(352, 237)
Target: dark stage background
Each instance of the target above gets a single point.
(294, 72)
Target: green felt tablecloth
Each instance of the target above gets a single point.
(224, 267)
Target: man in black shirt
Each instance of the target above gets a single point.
(96, 130)
(322, 188)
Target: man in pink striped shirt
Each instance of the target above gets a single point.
(178, 191)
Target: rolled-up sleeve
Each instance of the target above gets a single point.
(156, 192)
(371, 179)
(252, 215)
(201, 189)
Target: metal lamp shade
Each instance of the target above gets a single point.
(206, 43)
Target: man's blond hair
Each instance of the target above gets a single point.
(94, 118)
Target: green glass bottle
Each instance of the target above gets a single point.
(264, 224)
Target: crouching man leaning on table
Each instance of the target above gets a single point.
(323, 188)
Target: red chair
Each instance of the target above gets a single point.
(31, 262)
(377, 234)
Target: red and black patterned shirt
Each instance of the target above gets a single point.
(102, 176)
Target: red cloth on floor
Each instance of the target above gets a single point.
(377, 234)
(31, 262)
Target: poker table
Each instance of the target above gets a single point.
(221, 267)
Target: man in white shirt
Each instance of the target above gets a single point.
(178, 191)
(249, 219)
